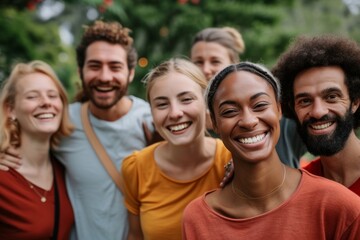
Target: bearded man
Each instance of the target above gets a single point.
(321, 76)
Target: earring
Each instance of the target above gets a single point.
(12, 119)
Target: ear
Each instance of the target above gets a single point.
(10, 112)
(131, 75)
(355, 105)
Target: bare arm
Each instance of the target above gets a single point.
(10, 159)
(135, 231)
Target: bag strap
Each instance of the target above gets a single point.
(99, 148)
(57, 209)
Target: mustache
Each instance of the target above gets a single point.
(312, 120)
(104, 84)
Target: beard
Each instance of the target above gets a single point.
(327, 144)
(119, 92)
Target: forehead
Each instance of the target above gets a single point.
(242, 85)
(315, 80)
(172, 84)
(104, 51)
(208, 49)
(35, 81)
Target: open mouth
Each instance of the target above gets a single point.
(179, 127)
(321, 126)
(252, 140)
(104, 88)
(45, 115)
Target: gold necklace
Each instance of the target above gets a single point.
(243, 195)
(42, 197)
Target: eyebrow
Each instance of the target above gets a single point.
(93, 61)
(178, 95)
(323, 92)
(251, 98)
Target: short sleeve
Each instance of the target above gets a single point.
(130, 176)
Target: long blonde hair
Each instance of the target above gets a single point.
(9, 128)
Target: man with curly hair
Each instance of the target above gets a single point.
(321, 81)
(106, 61)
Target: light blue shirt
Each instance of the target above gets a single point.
(97, 202)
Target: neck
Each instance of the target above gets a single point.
(187, 156)
(35, 150)
(114, 113)
(36, 167)
(259, 181)
(344, 166)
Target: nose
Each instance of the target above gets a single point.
(248, 120)
(175, 112)
(105, 74)
(45, 101)
(207, 70)
(318, 109)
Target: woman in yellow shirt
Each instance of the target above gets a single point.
(160, 180)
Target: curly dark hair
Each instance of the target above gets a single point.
(111, 32)
(327, 50)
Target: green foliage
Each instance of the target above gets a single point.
(163, 29)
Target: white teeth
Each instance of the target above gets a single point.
(251, 140)
(321, 126)
(45, 115)
(179, 127)
(104, 89)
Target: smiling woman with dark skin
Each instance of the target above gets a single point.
(217, 47)
(265, 197)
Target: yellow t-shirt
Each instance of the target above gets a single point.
(160, 200)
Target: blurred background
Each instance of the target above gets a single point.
(49, 29)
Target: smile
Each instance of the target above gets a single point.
(179, 127)
(251, 140)
(45, 115)
(321, 126)
(104, 89)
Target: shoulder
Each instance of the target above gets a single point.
(314, 167)
(139, 102)
(222, 152)
(195, 205)
(6, 177)
(140, 158)
(75, 106)
(74, 112)
(220, 147)
(329, 190)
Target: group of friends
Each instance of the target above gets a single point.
(53, 185)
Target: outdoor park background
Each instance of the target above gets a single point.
(49, 29)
